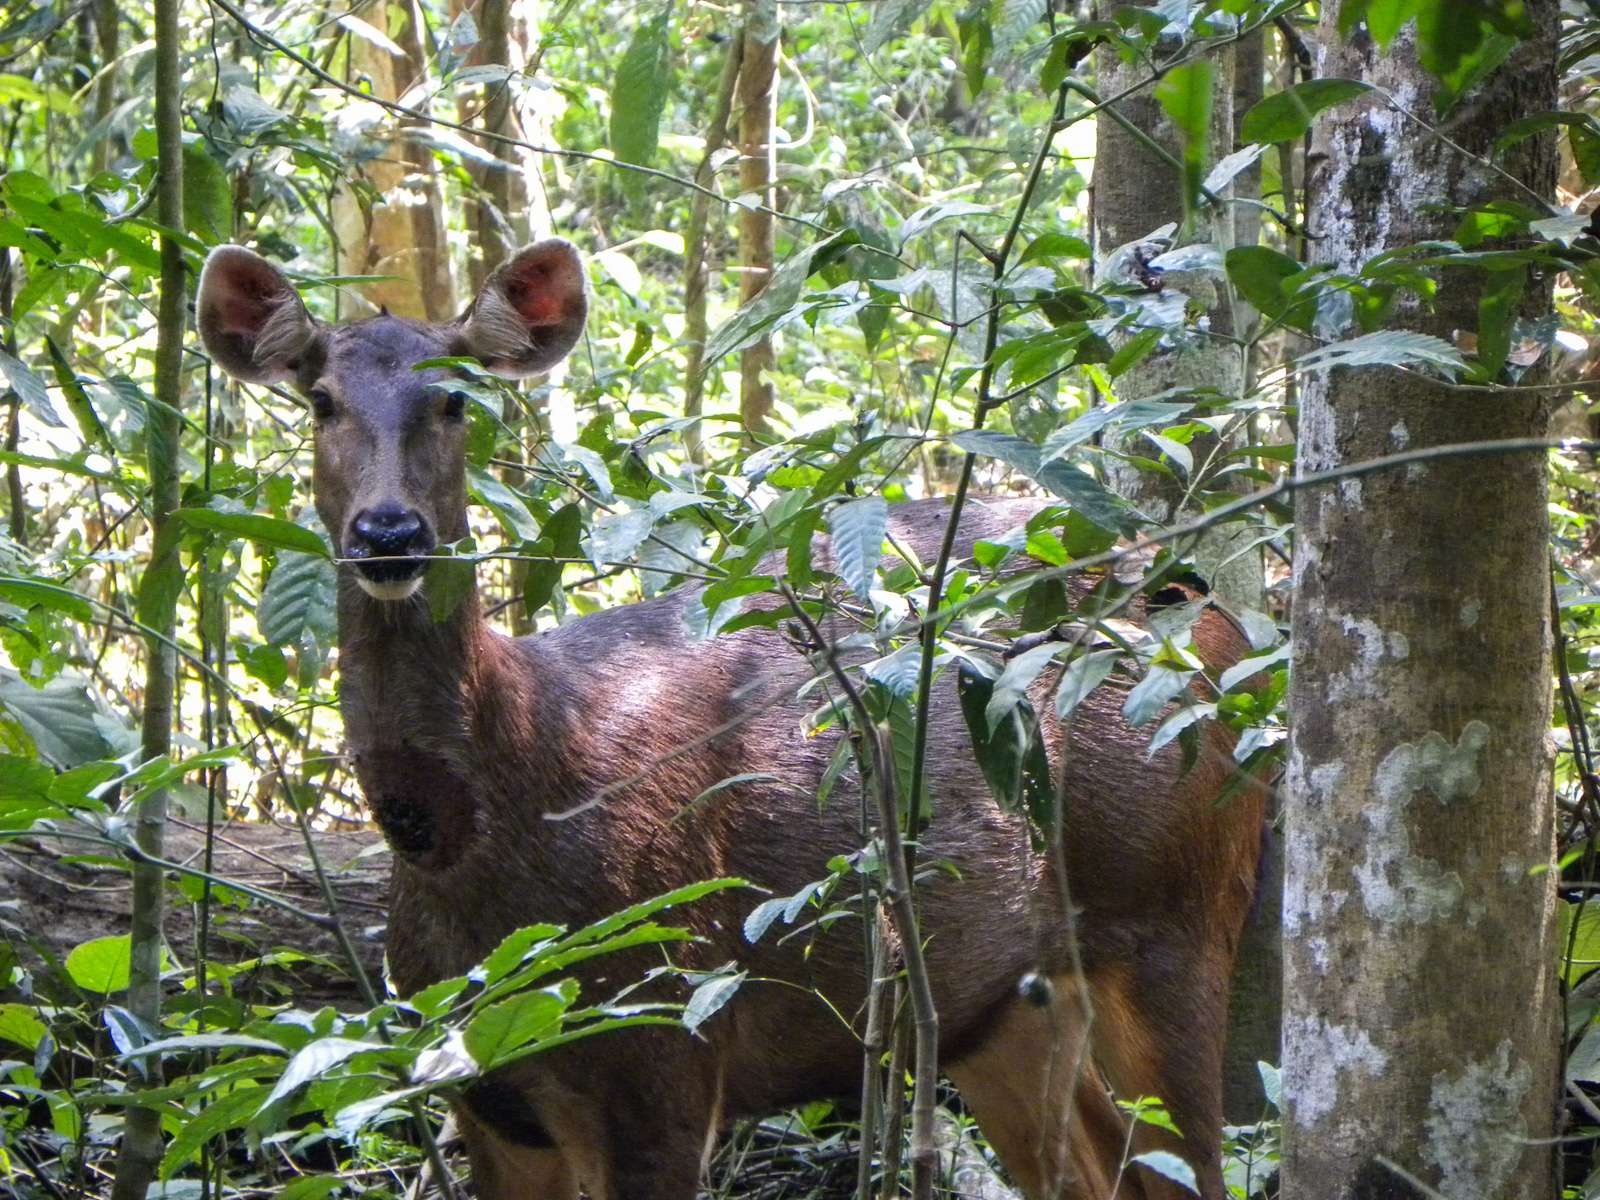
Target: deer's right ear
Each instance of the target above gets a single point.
(251, 319)
(530, 312)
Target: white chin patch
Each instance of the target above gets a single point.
(399, 589)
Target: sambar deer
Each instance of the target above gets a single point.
(465, 740)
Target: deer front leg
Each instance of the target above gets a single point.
(510, 1162)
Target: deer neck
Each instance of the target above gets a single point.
(409, 691)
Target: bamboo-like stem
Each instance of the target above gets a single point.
(758, 85)
(141, 1138)
(696, 253)
(872, 1047)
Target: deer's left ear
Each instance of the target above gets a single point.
(531, 311)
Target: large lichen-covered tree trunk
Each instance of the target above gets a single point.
(1420, 994)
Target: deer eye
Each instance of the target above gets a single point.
(322, 404)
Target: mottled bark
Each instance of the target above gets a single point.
(402, 232)
(1420, 986)
(758, 82)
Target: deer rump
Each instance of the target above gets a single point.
(467, 743)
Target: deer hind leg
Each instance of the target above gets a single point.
(1042, 1103)
(1159, 1029)
(507, 1169)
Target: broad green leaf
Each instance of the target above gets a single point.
(1286, 116)
(101, 964)
(41, 593)
(1186, 94)
(1012, 19)
(30, 388)
(299, 598)
(1386, 348)
(1160, 686)
(1169, 1166)
(315, 1060)
(1082, 676)
(890, 18)
(857, 529)
(263, 530)
(773, 305)
(1011, 756)
(1261, 273)
(207, 194)
(500, 1030)
(216, 1115)
(1081, 491)
(20, 1026)
(1497, 316)
(639, 92)
(709, 998)
(1016, 679)
(60, 717)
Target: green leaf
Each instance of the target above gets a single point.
(207, 194)
(1078, 489)
(772, 306)
(1011, 756)
(1286, 116)
(639, 92)
(710, 997)
(299, 598)
(857, 529)
(1261, 274)
(1082, 676)
(1186, 93)
(100, 965)
(20, 1026)
(560, 537)
(30, 388)
(1160, 686)
(495, 1034)
(1012, 686)
(263, 530)
(1386, 348)
(1169, 1166)
(1497, 316)
(216, 1115)
(315, 1060)
(60, 717)
(41, 593)
(889, 19)
(1013, 19)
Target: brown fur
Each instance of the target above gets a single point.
(467, 742)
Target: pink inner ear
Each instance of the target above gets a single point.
(539, 288)
(248, 302)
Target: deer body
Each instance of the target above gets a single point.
(468, 743)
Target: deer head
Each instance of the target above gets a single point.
(390, 474)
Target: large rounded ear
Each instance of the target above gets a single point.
(530, 313)
(251, 319)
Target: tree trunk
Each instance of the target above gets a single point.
(401, 233)
(758, 82)
(1137, 191)
(1418, 791)
(158, 598)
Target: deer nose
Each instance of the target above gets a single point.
(387, 529)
